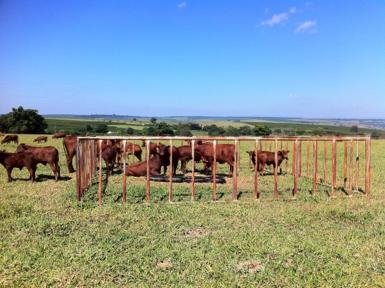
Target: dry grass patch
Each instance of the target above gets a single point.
(196, 233)
(249, 266)
(164, 264)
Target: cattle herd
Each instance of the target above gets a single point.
(112, 153)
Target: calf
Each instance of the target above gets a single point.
(58, 135)
(44, 155)
(224, 154)
(40, 139)
(268, 158)
(69, 145)
(10, 138)
(18, 160)
(155, 164)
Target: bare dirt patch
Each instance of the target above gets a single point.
(249, 266)
(196, 233)
(164, 264)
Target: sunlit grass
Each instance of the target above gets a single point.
(48, 239)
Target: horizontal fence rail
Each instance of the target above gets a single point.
(305, 153)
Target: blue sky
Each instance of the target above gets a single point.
(218, 58)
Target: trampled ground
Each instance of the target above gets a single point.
(47, 239)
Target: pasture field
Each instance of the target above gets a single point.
(49, 239)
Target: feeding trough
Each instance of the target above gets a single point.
(187, 179)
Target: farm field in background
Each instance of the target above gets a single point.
(48, 239)
(119, 127)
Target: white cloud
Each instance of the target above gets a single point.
(182, 5)
(307, 26)
(279, 18)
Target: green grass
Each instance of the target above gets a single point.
(47, 239)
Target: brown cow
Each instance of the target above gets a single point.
(10, 138)
(165, 157)
(109, 154)
(152, 147)
(129, 148)
(268, 158)
(224, 154)
(40, 139)
(44, 155)
(18, 160)
(155, 164)
(69, 145)
(185, 155)
(58, 135)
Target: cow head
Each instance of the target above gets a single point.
(284, 154)
(21, 147)
(162, 149)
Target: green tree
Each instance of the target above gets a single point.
(245, 130)
(354, 129)
(261, 130)
(130, 131)
(21, 120)
(153, 120)
(89, 128)
(159, 129)
(101, 128)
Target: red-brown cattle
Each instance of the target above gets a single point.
(58, 135)
(69, 145)
(18, 160)
(44, 155)
(267, 158)
(185, 155)
(10, 138)
(131, 149)
(165, 157)
(109, 154)
(40, 139)
(224, 154)
(155, 164)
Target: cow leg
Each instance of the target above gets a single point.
(54, 169)
(9, 172)
(183, 166)
(138, 155)
(174, 166)
(231, 166)
(206, 167)
(58, 170)
(69, 164)
(32, 173)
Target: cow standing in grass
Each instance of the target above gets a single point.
(224, 154)
(69, 145)
(267, 158)
(43, 155)
(10, 139)
(40, 139)
(58, 135)
(18, 160)
(185, 155)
